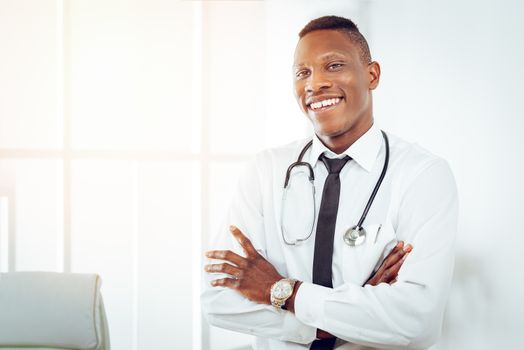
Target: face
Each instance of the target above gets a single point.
(333, 86)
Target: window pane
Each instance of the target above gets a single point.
(222, 186)
(165, 269)
(38, 207)
(131, 74)
(234, 75)
(28, 75)
(102, 237)
(4, 235)
(223, 181)
(132, 224)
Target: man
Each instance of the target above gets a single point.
(300, 279)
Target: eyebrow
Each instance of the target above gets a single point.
(327, 57)
(332, 56)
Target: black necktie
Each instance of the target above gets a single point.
(327, 219)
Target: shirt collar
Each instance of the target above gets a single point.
(364, 151)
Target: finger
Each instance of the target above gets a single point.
(381, 274)
(392, 257)
(227, 255)
(224, 268)
(244, 241)
(225, 282)
(397, 255)
(323, 334)
(392, 272)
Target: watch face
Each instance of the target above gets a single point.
(282, 290)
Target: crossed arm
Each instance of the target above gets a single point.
(252, 276)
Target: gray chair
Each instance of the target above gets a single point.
(52, 311)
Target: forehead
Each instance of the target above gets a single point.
(323, 45)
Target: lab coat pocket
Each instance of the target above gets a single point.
(360, 261)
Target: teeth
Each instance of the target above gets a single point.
(324, 103)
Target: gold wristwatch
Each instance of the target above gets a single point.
(281, 291)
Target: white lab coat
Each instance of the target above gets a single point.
(417, 203)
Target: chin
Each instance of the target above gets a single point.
(330, 131)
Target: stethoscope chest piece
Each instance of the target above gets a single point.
(356, 235)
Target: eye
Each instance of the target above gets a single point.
(301, 73)
(335, 66)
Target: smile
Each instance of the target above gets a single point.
(324, 104)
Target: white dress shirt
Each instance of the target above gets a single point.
(417, 203)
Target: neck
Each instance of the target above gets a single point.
(339, 143)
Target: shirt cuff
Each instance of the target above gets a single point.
(309, 304)
(296, 331)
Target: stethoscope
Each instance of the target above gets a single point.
(353, 236)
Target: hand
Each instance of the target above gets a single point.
(252, 276)
(323, 334)
(388, 270)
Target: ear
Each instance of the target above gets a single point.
(373, 74)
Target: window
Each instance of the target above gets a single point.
(123, 128)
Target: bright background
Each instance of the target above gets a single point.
(123, 125)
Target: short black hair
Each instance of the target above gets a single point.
(341, 24)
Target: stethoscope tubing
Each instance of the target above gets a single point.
(300, 162)
(379, 182)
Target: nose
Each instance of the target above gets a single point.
(317, 81)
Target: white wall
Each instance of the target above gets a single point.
(451, 81)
